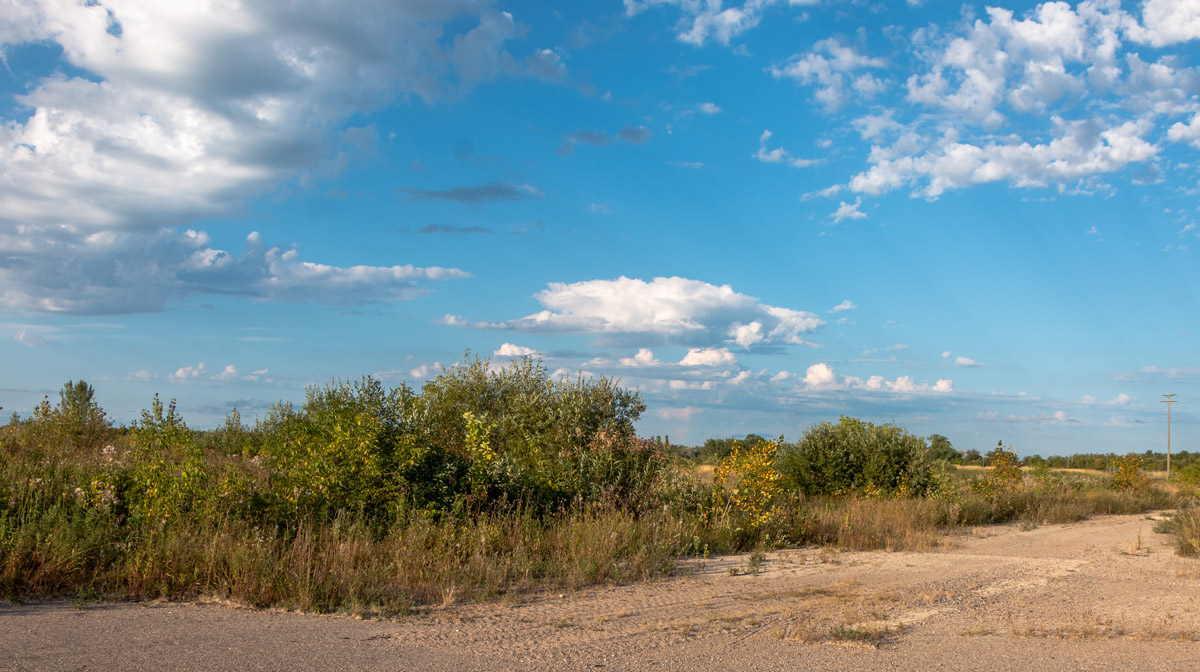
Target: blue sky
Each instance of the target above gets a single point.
(975, 220)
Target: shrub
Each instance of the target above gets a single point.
(168, 476)
(1127, 473)
(747, 484)
(1005, 476)
(854, 456)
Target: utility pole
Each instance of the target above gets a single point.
(1168, 401)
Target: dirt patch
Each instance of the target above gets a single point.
(1107, 593)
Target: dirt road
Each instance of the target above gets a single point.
(1104, 594)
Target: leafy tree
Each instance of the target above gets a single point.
(940, 449)
(855, 456)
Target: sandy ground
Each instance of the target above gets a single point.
(1104, 594)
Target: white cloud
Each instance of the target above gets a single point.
(202, 104)
(747, 335)
(188, 372)
(843, 306)
(674, 309)
(229, 373)
(30, 339)
(1189, 132)
(510, 350)
(692, 384)
(898, 346)
(708, 108)
(848, 211)
(142, 374)
(967, 362)
(644, 357)
(873, 126)
(1169, 22)
(978, 93)
(425, 371)
(711, 20)
(1079, 149)
(676, 413)
(769, 155)
(779, 154)
(782, 376)
(711, 357)
(822, 376)
(129, 272)
(1120, 400)
(819, 375)
(945, 354)
(190, 108)
(828, 66)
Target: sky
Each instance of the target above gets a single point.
(976, 220)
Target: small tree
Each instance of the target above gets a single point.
(1006, 472)
(857, 457)
(940, 450)
(78, 414)
(1127, 473)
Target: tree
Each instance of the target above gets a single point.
(940, 449)
(78, 415)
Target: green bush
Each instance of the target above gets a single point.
(854, 456)
(1005, 476)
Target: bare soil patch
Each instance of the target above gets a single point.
(1107, 593)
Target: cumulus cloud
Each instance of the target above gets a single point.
(188, 372)
(779, 154)
(822, 376)
(183, 111)
(705, 21)
(192, 107)
(510, 350)
(842, 307)
(977, 94)
(1189, 132)
(967, 362)
(110, 273)
(667, 310)
(848, 211)
(819, 375)
(1079, 149)
(423, 371)
(708, 108)
(1167, 22)
(710, 357)
(831, 66)
(644, 357)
